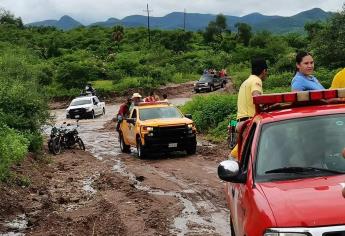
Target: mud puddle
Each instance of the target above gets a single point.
(199, 216)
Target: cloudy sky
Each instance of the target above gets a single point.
(89, 11)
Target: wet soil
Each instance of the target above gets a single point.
(105, 192)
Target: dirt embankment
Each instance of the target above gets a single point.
(183, 90)
(172, 90)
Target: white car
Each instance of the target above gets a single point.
(85, 107)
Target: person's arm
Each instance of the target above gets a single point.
(256, 93)
(256, 88)
(296, 86)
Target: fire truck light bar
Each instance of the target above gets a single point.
(152, 103)
(304, 96)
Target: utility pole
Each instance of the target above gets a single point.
(148, 22)
(184, 20)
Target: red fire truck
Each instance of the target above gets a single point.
(290, 176)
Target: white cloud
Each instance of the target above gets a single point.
(88, 11)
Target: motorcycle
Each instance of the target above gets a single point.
(64, 137)
(232, 134)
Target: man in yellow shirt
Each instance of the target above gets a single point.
(339, 80)
(249, 88)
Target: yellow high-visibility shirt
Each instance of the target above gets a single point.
(245, 105)
(339, 80)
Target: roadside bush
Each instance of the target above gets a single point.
(13, 148)
(278, 80)
(325, 76)
(208, 111)
(24, 108)
(35, 141)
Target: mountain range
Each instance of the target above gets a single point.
(197, 21)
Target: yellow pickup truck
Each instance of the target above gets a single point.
(157, 127)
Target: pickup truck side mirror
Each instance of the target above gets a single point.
(95, 103)
(189, 116)
(131, 120)
(229, 171)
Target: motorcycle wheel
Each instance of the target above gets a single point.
(50, 145)
(56, 146)
(81, 144)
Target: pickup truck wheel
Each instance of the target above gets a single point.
(92, 114)
(124, 148)
(222, 85)
(103, 113)
(211, 88)
(191, 149)
(141, 150)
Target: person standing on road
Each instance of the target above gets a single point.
(304, 79)
(250, 88)
(339, 80)
(123, 112)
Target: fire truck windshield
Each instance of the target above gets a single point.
(301, 144)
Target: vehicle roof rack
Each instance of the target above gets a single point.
(277, 101)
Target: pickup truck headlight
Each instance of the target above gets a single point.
(206, 84)
(285, 234)
(147, 128)
(89, 109)
(190, 126)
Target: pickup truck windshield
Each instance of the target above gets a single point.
(81, 102)
(159, 112)
(205, 79)
(288, 148)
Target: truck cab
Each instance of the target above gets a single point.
(290, 176)
(157, 127)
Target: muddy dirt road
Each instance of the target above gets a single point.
(105, 192)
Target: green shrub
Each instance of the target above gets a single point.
(35, 141)
(325, 76)
(13, 148)
(208, 111)
(278, 80)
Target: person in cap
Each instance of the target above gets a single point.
(136, 98)
(249, 88)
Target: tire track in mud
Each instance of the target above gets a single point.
(201, 214)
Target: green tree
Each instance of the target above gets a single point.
(117, 35)
(329, 42)
(7, 17)
(244, 33)
(73, 75)
(312, 28)
(215, 29)
(177, 40)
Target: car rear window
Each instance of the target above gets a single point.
(305, 142)
(159, 112)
